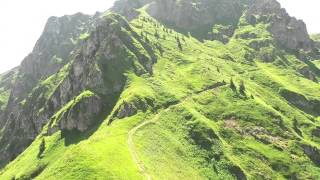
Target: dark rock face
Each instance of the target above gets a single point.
(82, 115)
(127, 109)
(288, 31)
(238, 173)
(316, 132)
(221, 33)
(313, 153)
(197, 16)
(301, 102)
(308, 73)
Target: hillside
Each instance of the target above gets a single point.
(316, 38)
(165, 89)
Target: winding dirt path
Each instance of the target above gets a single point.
(133, 150)
(131, 133)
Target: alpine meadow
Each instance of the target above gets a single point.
(166, 90)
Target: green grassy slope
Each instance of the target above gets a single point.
(317, 63)
(315, 37)
(196, 126)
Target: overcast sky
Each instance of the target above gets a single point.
(22, 21)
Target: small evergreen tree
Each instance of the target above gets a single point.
(183, 39)
(147, 39)
(232, 85)
(156, 34)
(179, 44)
(42, 147)
(296, 127)
(242, 88)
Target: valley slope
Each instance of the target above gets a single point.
(165, 89)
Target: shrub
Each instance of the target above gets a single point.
(242, 88)
(42, 147)
(232, 85)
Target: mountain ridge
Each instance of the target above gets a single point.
(114, 72)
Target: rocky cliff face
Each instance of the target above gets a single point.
(50, 54)
(288, 31)
(89, 65)
(197, 17)
(200, 16)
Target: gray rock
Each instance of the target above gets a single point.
(313, 153)
(288, 31)
(82, 115)
(310, 106)
(199, 16)
(307, 73)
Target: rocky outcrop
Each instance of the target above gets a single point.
(197, 17)
(25, 113)
(288, 31)
(79, 114)
(99, 63)
(93, 67)
(83, 114)
(127, 109)
(50, 53)
(221, 33)
(308, 73)
(316, 132)
(313, 153)
(301, 102)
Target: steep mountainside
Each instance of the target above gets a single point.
(165, 89)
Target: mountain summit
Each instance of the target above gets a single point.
(166, 89)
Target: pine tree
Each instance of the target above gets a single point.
(42, 147)
(242, 88)
(183, 39)
(156, 34)
(232, 85)
(147, 39)
(179, 44)
(218, 69)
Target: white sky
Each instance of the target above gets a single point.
(22, 21)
